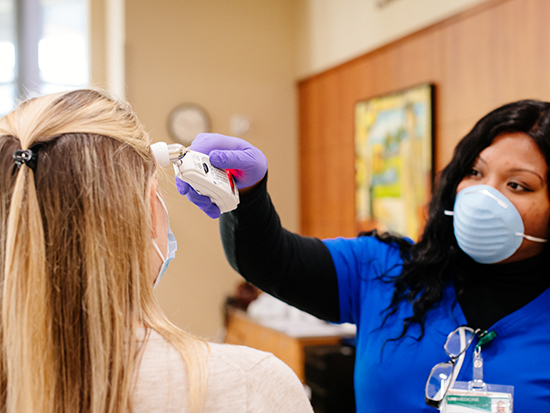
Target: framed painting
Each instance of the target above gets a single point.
(394, 162)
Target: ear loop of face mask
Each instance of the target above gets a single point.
(171, 246)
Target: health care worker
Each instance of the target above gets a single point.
(476, 284)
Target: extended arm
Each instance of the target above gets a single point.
(298, 270)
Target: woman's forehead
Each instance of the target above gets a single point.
(516, 149)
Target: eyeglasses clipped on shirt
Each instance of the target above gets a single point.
(443, 375)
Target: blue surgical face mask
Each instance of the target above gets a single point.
(172, 246)
(487, 226)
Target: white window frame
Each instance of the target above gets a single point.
(28, 16)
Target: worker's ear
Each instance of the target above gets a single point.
(154, 205)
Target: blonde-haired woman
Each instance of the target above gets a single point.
(84, 238)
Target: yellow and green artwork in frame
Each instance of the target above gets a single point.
(394, 163)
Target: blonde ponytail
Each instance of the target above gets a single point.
(26, 308)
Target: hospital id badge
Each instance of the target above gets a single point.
(476, 396)
(493, 399)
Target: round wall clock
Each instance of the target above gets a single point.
(186, 121)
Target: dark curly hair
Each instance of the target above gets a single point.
(431, 263)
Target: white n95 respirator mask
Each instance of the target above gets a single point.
(487, 226)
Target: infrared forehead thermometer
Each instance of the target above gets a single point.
(195, 169)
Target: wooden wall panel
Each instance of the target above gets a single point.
(311, 191)
(329, 147)
(495, 53)
(345, 150)
(472, 70)
(527, 57)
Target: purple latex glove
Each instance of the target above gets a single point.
(247, 164)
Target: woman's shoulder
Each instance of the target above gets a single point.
(265, 382)
(245, 364)
(241, 357)
(245, 361)
(247, 357)
(221, 356)
(239, 379)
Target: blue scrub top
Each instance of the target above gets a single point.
(390, 376)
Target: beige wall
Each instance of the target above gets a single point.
(98, 58)
(331, 32)
(231, 57)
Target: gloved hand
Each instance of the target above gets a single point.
(247, 164)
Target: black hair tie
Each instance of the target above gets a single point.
(27, 157)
